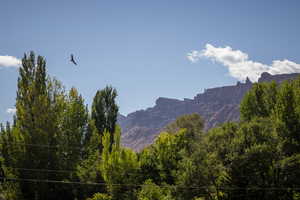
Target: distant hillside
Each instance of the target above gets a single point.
(215, 105)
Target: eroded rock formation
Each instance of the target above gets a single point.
(215, 105)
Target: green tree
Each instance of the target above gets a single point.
(165, 154)
(105, 111)
(69, 141)
(203, 173)
(88, 170)
(252, 160)
(193, 123)
(51, 123)
(119, 168)
(12, 149)
(100, 196)
(33, 121)
(287, 116)
(73, 129)
(8, 189)
(151, 191)
(9, 155)
(259, 101)
(162, 161)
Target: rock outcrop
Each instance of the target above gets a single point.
(215, 105)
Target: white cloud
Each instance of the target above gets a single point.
(239, 65)
(193, 56)
(11, 110)
(9, 61)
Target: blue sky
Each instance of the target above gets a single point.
(140, 47)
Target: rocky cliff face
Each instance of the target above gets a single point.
(215, 105)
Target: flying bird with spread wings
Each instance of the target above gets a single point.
(72, 60)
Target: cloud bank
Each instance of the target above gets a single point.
(9, 61)
(239, 65)
(11, 110)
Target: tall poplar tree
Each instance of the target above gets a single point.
(39, 106)
(105, 111)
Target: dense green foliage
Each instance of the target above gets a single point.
(56, 149)
(105, 111)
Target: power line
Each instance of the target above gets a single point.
(41, 170)
(74, 171)
(89, 183)
(50, 181)
(43, 145)
(142, 185)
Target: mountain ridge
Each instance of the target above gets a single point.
(216, 105)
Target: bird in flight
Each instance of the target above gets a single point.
(72, 60)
